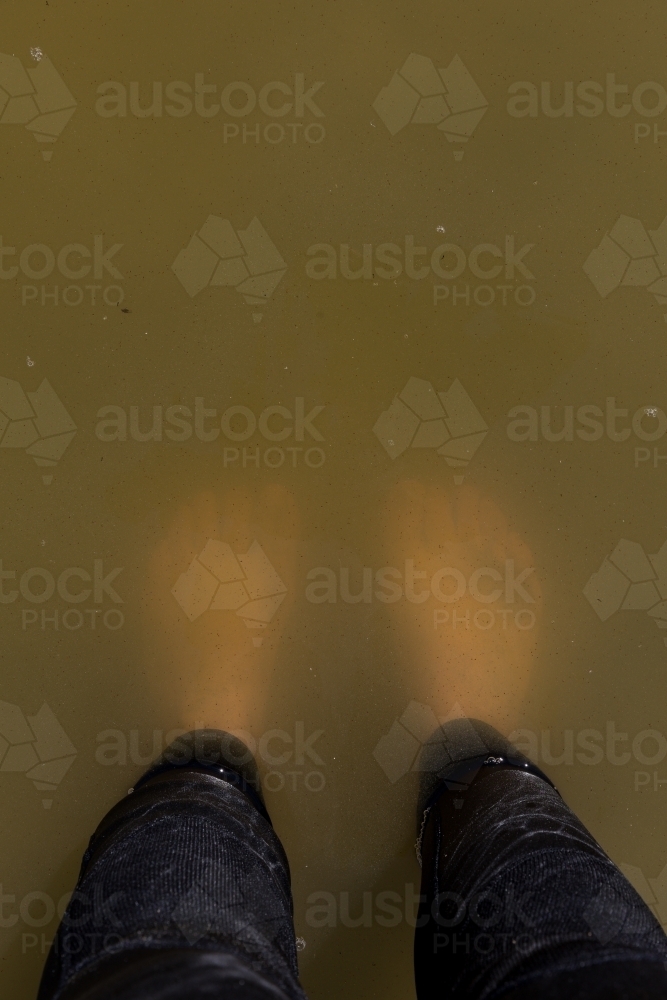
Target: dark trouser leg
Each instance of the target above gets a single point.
(519, 901)
(184, 891)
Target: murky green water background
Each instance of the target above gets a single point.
(128, 334)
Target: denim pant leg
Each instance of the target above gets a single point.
(184, 886)
(520, 902)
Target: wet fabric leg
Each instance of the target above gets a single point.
(519, 901)
(184, 890)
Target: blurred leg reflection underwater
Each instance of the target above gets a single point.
(214, 606)
(184, 890)
(467, 631)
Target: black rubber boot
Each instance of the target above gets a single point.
(212, 751)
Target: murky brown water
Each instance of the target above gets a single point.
(212, 291)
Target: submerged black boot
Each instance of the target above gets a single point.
(518, 900)
(184, 890)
